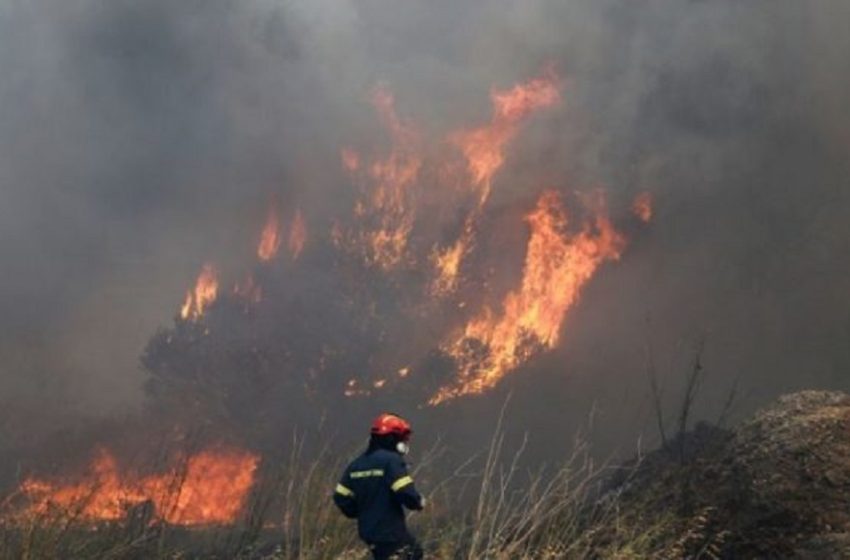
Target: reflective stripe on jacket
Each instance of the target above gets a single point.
(375, 489)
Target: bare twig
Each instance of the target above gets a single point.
(652, 376)
(691, 390)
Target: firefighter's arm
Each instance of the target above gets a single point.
(402, 485)
(344, 497)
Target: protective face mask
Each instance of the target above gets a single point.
(402, 447)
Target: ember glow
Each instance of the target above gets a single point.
(557, 265)
(202, 295)
(208, 488)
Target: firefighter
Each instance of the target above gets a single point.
(375, 489)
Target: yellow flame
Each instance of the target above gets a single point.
(209, 488)
(484, 151)
(484, 147)
(387, 212)
(203, 295)
(557, 266)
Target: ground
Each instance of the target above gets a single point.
(777, 486)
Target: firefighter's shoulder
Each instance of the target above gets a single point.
(387, 457)
(359, 461)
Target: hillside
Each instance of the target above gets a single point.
(777, 486)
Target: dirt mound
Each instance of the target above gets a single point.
(777, 486)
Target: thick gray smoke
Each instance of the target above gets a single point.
(139, 139)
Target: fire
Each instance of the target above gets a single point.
(418, 206)
(387, 209)
(557, 266)
(387, 213)
(297, 235)
(209, 488)
(642, 207)
(203, 295)
(447, 261)
(484, 151)
(270, 237)
(447, 264)
(484, 147)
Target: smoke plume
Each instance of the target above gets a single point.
(140, 141)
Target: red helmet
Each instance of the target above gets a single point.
(388, 423)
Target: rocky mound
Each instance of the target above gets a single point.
(777, 486)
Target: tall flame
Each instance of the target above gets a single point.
(210, 488)
(484, 151)
(203, 294)
(484, 147)
(270, 237)
(387, 212)
(557, 266)
(297, 235)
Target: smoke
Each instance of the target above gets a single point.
(139, 140)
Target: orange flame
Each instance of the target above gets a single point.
(210, 488)
(484, 148)
(387, 214)
(270, 237)
(447, 261)
(447, 264)
(557, 266)
(642, 207)
(484, 151)
(202, 296)
(297, 235)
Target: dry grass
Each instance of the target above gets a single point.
(512, 514)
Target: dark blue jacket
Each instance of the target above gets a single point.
(375, 489)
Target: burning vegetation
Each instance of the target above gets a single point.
(234, 231)
(206, 488)
(260, 355)
(557, 265)
(390, 233)
(270, 237)
(202, 295)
